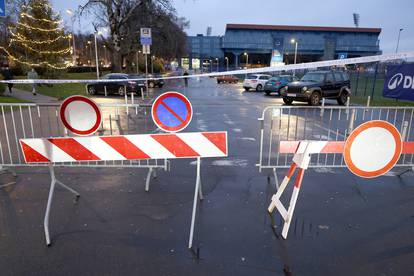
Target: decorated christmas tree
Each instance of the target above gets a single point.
(38, 40)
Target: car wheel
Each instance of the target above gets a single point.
(342, 99)
(151, 84)
(160, 85)
(315, 99)
(246, 89)
(121, 90)
(218, 82)
(287, 101)
(267, 93)
(91, 90)
(259, 87)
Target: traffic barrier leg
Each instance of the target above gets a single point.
(197, 190)
(5, 170)
(50, 199)
(147, 182)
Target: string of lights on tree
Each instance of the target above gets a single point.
(37, 40)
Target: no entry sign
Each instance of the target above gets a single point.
(80, 115)
(373, 149)
(172, 112)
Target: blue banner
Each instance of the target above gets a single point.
(2, 8)
(399, 82)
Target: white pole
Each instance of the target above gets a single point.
(96, 58)
(398, 40)
(296, 50)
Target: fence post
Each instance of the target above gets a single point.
(323, 107)
(375, 80)
(106, 91)
(404, 131)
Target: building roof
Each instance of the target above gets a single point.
(302, 28)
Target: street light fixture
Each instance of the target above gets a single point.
(227, 63)
(294, 41)
(217, 61)
(398, 40)
(247, 59)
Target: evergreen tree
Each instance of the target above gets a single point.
(37, 40)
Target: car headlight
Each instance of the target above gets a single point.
(304, 89)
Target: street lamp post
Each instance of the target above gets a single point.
(90, 52)
(247, 61)
(217, 61)
(398, 40)
(294, 41)
(227, 63)
(106, 56)
(96, 55)
(152, 65)
(72, 17)
(138, 61)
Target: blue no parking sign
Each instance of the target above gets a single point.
(172, 112)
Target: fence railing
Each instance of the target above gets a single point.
(326, 123)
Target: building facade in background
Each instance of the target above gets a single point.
(263, 45)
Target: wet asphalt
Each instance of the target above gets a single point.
(343, 225)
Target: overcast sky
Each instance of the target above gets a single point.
(390, 15)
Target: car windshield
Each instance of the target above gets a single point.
(251, 77)
(313, 77)
(135, 77)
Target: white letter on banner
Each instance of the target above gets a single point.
(408, 81)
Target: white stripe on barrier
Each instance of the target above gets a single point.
(150, 147)
(328, 63)
(101, 149)
(194, 140)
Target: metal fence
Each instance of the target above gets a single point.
(325, 123)
(19, 121)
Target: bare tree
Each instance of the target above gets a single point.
(124, 18)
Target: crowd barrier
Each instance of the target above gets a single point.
(324, 123)
(27, 120)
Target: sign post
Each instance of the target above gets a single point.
(146, 41)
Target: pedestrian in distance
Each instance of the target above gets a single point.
(8, 75)
(32, 75)
(185, 78)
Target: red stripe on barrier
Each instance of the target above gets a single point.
(299, 178)
(408, 147)
(291, 170)
(74, 149)
(218, 139)
(334, 147)
(124, 147)
(175, 145)
(288, 146)
(31, 155)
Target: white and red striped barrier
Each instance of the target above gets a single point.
(126, 147)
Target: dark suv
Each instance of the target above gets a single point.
(314, 86)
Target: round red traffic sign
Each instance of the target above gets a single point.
(372, 149)
(80, 115)
(172, 112)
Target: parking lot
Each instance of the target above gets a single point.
(343, 225)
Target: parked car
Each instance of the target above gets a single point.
(228, 79)
(157, 82)
(116, 87)
(316, 85)
(277, 83)
(255, 81)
